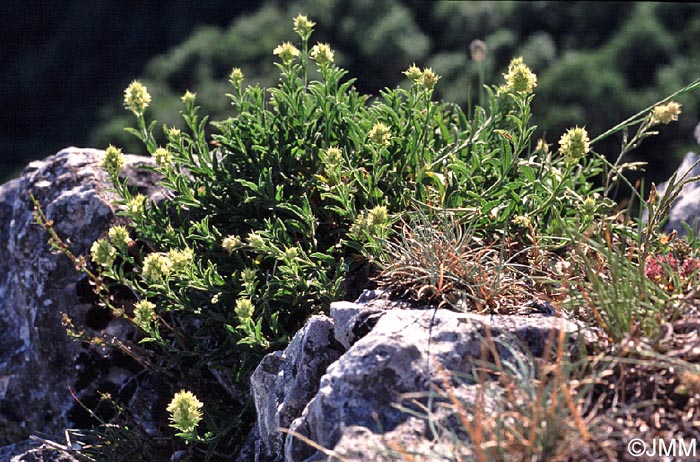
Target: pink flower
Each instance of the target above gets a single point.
(653, 269)
(690, 266)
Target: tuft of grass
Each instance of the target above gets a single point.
(439, 259)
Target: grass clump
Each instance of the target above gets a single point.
(308, 183)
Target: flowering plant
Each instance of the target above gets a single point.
(304, 184)
(301, 185)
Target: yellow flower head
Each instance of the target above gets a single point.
(103, 253)
(589, 205)
(163, 157)
(144, 312)
(574, 144)
(184, 411)
(333, 156)
(378, 216)
(290, 253)
(156, 267)
(303, 25)
(113, 160)
(256, 241)
(188, 98)
(180, 259)
(429, 78)
(322, 54)
(244, 308)
(413, 73)
(519, 78)
(174, 134)
(136, 97)
(360, 226)
(231, 243)
(380, 134)
(136, 205)
(287, 52)
(119, 236)
(249, 277)
(666, 113)
(236, 76)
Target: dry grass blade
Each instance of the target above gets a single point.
(315, 445)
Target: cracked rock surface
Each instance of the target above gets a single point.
(391, 350)
(39, 363)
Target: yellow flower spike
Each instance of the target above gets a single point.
(413, 73)
(256, 241)
(119, 236)
(519, 78)
(180, 259)
(249, 277)
(136, 97)
(144, 313)
(174, 134)
(521, 221)
(136, 205)
(322, 54)
(163, 157)
(589, 205)
(244, 308)
(290, 253)
(378, 216)
(333, 156)
(287, 52)
(113, 160)
(156, 267)
(303, 25)
(574, 144)
(236, 77)
(188, 98)
(429, 78)
(231, 243)
(184, 411)
(380, 134)
(103, 253)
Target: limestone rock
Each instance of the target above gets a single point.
(39, 363)
(284, 382)
(400, 354)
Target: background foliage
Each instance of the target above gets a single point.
(623, 55)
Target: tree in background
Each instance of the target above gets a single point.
(62, 60)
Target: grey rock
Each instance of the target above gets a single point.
(368, 295)
(39, 363)
(353, 321)
(284, 382)
(33, 451)
(401, 356)
(686, 207)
